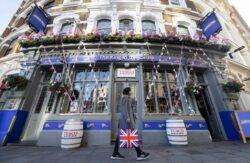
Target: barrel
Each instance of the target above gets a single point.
(176, 132)
(72, 134)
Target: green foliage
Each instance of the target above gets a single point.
(233, 86)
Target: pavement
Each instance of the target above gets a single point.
(215, 152)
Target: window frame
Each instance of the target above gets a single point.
(151, 21)
(127, 19)
(107, 30)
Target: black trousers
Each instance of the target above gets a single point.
(116, 149)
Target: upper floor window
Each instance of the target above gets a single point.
(66, 28)
(148, 27)
(49, 5)
(182, 30)
(126, 25)
(181, 3)
(104, 26)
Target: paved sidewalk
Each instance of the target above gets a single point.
(216, 152)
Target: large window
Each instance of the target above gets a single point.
(91, 92)
(104, 26)
(148, 27)
(161, 92)
(126, 25)
(183, 30)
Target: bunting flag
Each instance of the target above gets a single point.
(38, 19)
(210, 25)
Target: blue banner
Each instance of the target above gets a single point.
(210, 25)
(244, 120)
(38, 19)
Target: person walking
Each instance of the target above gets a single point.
(127, 120)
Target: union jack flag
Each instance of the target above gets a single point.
(129, 139)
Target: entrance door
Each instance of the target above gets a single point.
(208, 113)
(38, 115)
(118, 88)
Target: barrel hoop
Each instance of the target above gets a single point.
(72, 138)
(176, 135)
(178, 141)
(73, 130)
(71, 143)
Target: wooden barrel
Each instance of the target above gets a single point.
(72, 134)
(176, 132)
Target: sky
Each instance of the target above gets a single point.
(9, 7)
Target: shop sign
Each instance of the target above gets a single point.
(38, 19)
(210, 25)
(124, 58)
(125, 73)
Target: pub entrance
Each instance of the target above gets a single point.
(124, 77)
(208, 113)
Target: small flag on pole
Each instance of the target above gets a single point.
(129, 139)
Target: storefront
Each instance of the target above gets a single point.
(158, 93)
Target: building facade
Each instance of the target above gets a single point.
(92, 50)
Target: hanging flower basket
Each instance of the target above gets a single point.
(233, 87)
(15, 81)
(58, 87)
(193, 88)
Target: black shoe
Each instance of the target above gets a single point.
(143, 156)
(117, 156)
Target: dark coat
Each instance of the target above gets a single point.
(126, 113)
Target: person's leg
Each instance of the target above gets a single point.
(116, 154)
(138, 151)
(140, 154)
(116, 149)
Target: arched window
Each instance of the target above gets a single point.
(148, 27)
(49, 5)
(126, 25)
(104, 26)
(66, 28)
(183, 30)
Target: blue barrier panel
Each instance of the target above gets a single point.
(228, 124)
(161, 125)
(244, 119)
(6, 117)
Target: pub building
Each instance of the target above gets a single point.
(83, 79)
(157, 80)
